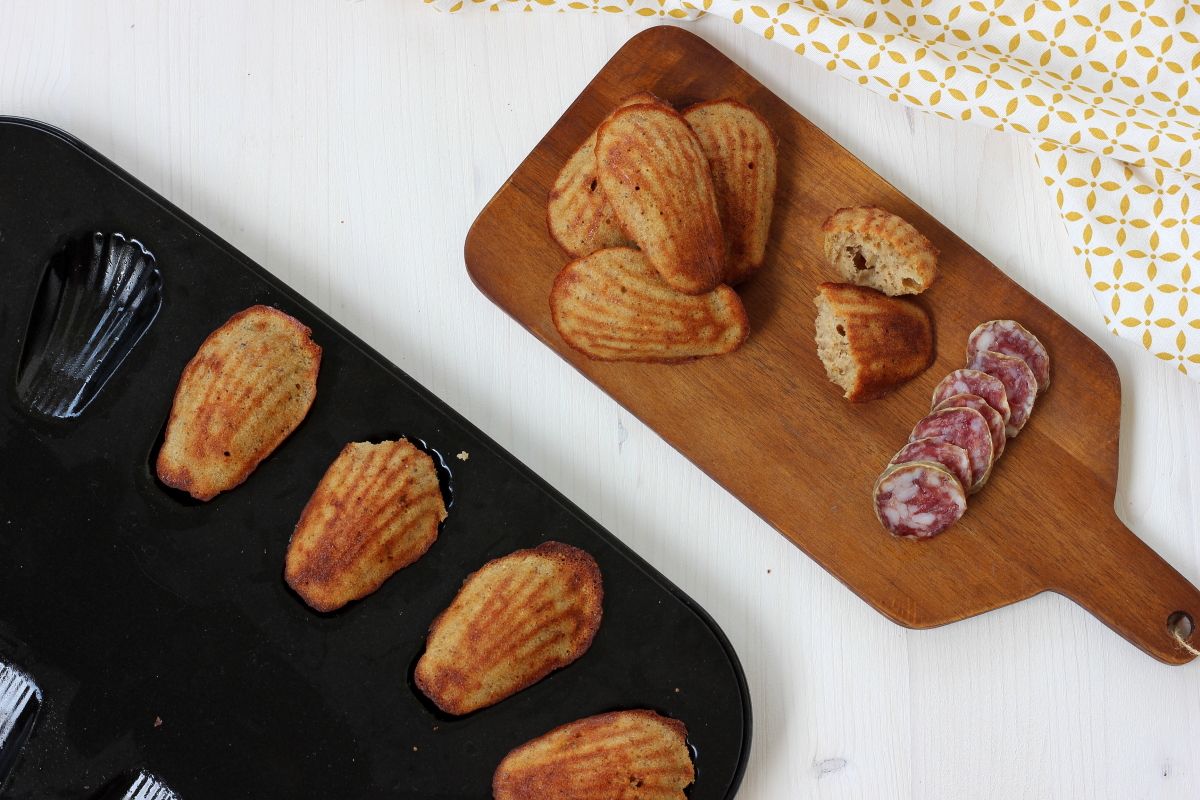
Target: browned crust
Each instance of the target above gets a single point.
(178, 476)
(895, 345)
(729, 301)
(737, 231)
(730, 101)
(690, 258)
(509, 786)
(907, 243)
(563, 186)
(859, 219)
(341, 557)
(581, 564)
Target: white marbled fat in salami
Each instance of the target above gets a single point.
(1012, 339)
(972, 381)
(995, 421)
(966, 428)
(1019, 384)
(918, 500)
(952, 457)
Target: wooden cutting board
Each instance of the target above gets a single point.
(766, 424)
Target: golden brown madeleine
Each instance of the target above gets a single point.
(870, 343)
(742, 156)
(579, 217)
(375, 511)
(613, 306)
(655, 174)
(872, 247)
(247, 388)
(515, 620)
(637, 755)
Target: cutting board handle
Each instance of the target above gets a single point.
(1134, 591)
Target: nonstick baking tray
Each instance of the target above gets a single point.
(160, 630)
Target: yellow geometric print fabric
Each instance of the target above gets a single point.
(1109, 91)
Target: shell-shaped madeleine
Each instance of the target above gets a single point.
(742, 156)
(515, 620)
(578, 215)
(248, 387)
(655, 174)
(376, 510)
(637, 755)
(613, 306)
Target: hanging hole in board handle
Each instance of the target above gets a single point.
(1182, 626)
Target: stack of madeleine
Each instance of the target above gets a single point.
(662, 212)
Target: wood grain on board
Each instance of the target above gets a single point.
(766, 424)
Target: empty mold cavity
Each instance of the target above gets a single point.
(142, 786)
(99, 294)
(20, 700)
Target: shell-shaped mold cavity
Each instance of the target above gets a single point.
(20, 700)
(99, 295)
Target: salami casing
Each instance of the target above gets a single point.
(994, 421)
(952, 457)
(972, 381)
(1012, 339)
(1019, 384)
(966, 428)
(918, 500)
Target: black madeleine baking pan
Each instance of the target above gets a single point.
(147, 640)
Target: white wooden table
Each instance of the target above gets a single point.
(347, 146)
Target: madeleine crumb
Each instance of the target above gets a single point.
(464, 455)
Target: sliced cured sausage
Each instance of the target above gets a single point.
(918, 500)
(1019, 384)
(1012, 339)
(972, 381)
(995, 421)
(966, 428)
(951, 456)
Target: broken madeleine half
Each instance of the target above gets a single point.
(248, 387)
(637, 754)
(376, 510)
(515, 620)
(870, 343)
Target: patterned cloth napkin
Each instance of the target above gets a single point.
(1108, 91)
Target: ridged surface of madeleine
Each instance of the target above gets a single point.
(633, 755)
(515, 620)
(742, 157)
(872, 247)
(869, 342)
(578, 215)
(613, 306)
(376, 510)
(247, 388)
(655, 174)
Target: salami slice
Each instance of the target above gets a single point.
(952, 457)
(1019, 384)
(918, 500)
(966, 428)
(1012, 339)
(972, 381)
(995, 421)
